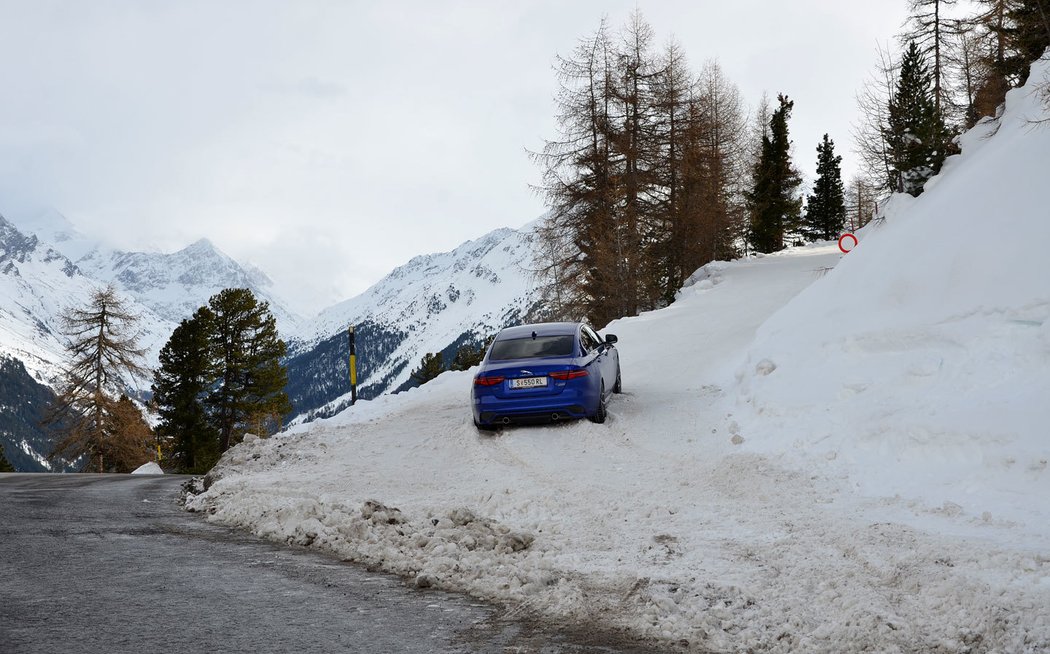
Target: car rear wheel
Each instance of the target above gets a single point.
(599, 413)
(485, 428)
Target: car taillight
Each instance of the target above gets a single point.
(488, 381)
(563, 375)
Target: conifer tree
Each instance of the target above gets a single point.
(991, 26)
(972, 74)
(719, 124)
(5, 465)
(246, 353)
(430, 366)
(861, 202)
(576, 256)
(87, 415)
(180, 387)
(701, 133)
(644, 180)
(773, 202)
(136, 443)
(631, 138)
(1023, 27)
(933, 31)
(468, 356)
(673, 228)
(915, 134)
(825, 207)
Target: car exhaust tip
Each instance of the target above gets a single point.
(506, 420)
(555, 417)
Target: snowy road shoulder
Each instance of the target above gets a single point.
(663, 521)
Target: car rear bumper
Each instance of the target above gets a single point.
(491, 411)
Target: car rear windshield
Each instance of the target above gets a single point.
(526, 348)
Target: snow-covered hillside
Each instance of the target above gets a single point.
(814, 452)
(926, 354)
(173, 285)
(37, 283)
(431, 304)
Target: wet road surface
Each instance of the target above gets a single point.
(112, 564)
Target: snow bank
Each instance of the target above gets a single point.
(150, 468)
(813, 452)
(922, 363)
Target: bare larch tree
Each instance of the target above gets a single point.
(91, 415)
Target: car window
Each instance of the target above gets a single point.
(594, 335)
(525, 348)
(588, 339)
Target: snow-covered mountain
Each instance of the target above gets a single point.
(173, 285)
(23, 401)
(39, 281)
(433, 303)
(37, 285)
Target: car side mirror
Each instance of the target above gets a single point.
(610, 339)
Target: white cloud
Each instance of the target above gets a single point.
(351, 134)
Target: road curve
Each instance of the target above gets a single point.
(112, 564)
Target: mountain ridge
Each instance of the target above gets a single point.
(432, 303)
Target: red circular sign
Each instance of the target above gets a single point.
(843, 238)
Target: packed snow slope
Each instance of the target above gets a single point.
(814, 452)
(922, 365)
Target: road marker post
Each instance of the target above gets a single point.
(353, 368)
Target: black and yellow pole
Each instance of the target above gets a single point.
(353, 368)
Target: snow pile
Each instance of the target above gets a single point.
(813, 452)
(923, 362)
(150, 468)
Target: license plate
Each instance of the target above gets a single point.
(528, 382)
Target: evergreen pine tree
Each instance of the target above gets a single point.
(826, 206)
(5, 465)
(468, 356)
(246, 353)
(180, 386)
(430, 366)
(916, 136)
(773, 201)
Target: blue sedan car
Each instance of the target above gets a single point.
(545, 372)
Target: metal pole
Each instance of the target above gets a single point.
(353, 368)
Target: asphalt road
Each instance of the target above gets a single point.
(111, 564)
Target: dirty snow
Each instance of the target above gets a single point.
(814, 452)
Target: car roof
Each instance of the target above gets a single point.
(541, 329)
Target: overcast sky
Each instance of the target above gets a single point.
(329, 141)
